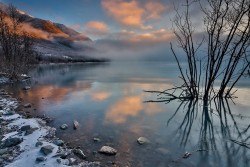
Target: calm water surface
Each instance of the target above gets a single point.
(109, 103)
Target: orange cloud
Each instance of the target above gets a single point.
(100, 96)
(154, 10)
(97, 25)
(127, 13)
(96, 28)
(159, 35)
(132, 13)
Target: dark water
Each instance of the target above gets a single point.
(109, 103)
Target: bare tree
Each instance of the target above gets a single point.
(226, 40)
(16, 45)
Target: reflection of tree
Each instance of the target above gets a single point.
(219, 131)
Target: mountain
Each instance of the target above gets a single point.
(53, 40)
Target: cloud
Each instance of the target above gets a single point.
(126, 13)
(133, 13)
(155, 35)
(96, 28)
(155, 9)
(97, 25)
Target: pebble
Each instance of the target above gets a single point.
(142, 140)
(64, 126)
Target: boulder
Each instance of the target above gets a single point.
(25, 128)
(108, 150)
(12, 141)
(47, 149)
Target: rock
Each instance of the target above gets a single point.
(10, 159)
(66, 162)
(186, 155)
(41, 159)
(39, 144)
(3, 151)
(64, 154)
(96, 139)
(25, 128)
(72, 161)
(47, 149)
(12, 141)
(108, 150)
(59, 160)
(79, 153)
(59, 142)
(26, 88)
(76, 124)
(28, 105)
(30, 131)
(142, 140)
(10, 113)
(64, 126)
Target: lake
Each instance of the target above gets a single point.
(108, 100)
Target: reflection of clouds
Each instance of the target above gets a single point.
(100, 96)
(49, 92)
(52, 93)
(243, 96)
(127, 107)
(131, 103)
(152, 108)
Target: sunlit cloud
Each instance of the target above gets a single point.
(126, 13)
(158, 35)
(96, 28)
(133, 13)
(155, 9)
(100, 96)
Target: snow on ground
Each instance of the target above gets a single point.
(3, 80)
(28, 148)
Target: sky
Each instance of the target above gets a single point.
(130, 28)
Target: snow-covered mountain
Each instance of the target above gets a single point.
(53, 39)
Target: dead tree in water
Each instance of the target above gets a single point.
(226, 41)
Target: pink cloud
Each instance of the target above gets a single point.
(133, 13)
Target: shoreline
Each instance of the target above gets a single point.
(30, 142)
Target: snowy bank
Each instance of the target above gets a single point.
(30, 143)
